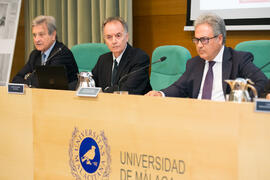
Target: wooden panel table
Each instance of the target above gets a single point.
(145, 138)
(16, 133)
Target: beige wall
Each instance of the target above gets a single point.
(161, 22)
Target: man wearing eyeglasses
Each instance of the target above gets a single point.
(112, 69)
(205, 74)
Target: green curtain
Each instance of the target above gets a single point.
(77, 21)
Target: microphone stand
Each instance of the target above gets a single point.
(31, 76)
(249, 76)
(133, 72)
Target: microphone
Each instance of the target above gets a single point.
(142, 68)
(56, 52)
(251, 74)
(30, 76)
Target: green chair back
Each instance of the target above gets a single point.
(86, 55)
(165, 73)
(261, 52)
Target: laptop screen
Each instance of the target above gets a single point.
(52, 77)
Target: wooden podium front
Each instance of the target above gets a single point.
(46, 134)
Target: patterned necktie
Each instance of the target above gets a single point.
(114, 72)
(208, 82)
(43, 57)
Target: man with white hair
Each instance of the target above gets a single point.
(49, 52)
(112, 68)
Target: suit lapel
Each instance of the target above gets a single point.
(226, 68)
(108, 66)
(123, 63)
(55, 48)
(37, 62)
(198, 76)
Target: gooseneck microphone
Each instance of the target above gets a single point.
(30, 75)
(251, 74)
(142, 68)
(55, 53)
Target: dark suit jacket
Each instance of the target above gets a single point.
(63, 57)
(132, 59)
(235, 64)
(267, 89)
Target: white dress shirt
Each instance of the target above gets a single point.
(118, 59)
(47, 52)
(217, 91)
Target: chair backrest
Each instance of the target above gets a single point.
(86, 55)
(261, 52)
(167, 72)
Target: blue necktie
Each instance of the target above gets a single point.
(208, 82)
(114, 72)
(43, 57)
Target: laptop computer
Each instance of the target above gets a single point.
(52, 77)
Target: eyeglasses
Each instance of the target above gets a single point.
(204, 40)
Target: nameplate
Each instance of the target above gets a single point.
(88, 91)
(16, 88)
(262, 105)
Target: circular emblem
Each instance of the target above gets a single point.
(89, 155)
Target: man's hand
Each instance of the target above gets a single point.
(153, 93)
(27, 76)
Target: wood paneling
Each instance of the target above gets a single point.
(16, 132)
(159, 22)
(158, 7)
(153, 31)
(39, 141)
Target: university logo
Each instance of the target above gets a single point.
(89, 155)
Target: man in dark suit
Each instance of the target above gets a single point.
(111, 69)
(49, 52)
(205, 74)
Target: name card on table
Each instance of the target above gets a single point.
(88, 91)
(262, 105)
(16, 88)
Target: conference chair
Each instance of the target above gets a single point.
(86, 55)
(261, 52)
(165, 73)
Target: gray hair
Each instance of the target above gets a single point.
(216, 22)
(49, 20)
(119, 19)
